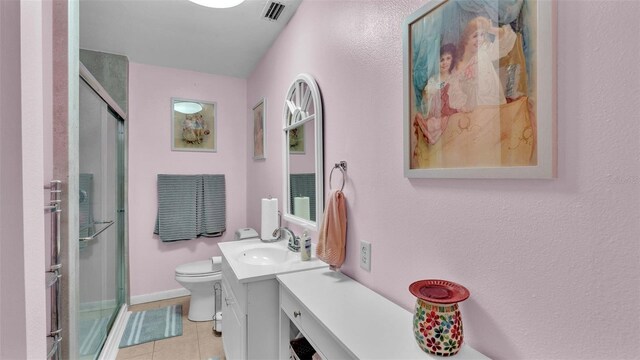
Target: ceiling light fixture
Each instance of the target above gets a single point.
(187, 107)
(220, 4)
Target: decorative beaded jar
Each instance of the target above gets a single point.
(437, 322)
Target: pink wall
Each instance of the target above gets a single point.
(22, 88)
(152, 263)
(33, 57)
(553, 265)
(12, 306)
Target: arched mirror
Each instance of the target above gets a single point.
(302, 151)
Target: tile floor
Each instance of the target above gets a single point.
(196, 343)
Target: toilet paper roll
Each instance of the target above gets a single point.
(301, 207)
(269, 218)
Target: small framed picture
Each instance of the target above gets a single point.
(193, 125)
(296, 140)
(259, 112)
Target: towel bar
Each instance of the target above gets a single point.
(95, 235)
(342, 166)
(55, 345)
(53, 276)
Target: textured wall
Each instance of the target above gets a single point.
(24, 81)
(552, 265)
(152, 263)
(12, 278)
(111, 71)
(33, 57)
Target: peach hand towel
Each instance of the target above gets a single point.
(333, 233)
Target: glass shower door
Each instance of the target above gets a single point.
(101, 198)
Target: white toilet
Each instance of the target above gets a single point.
(199, 277)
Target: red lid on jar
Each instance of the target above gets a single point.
(439, 291)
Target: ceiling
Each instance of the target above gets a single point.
(181, 34)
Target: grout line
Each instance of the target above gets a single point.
(198, 337)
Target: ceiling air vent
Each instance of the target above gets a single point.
(272, 10)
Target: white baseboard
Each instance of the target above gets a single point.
(163, 295)
(111, 345)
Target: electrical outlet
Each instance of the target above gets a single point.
(365, 255)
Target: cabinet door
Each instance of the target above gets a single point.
(262, 320)
(234, 325)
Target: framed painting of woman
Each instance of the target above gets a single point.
(479, 89)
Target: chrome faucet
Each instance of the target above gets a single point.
(294, 241)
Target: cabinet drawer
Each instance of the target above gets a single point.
(291, 307)
(323, 341)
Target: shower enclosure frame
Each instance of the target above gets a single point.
(65, 143)
(110, 346)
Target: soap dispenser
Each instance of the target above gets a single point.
(305, 246)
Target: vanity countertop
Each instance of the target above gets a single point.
(233, 251)
(364, 322)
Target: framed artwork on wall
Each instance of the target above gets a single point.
(479, 90)
(296, 140)
(259, 112)
(193, 125)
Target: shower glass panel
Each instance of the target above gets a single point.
(101, 221)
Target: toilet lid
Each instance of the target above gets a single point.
(198, 268)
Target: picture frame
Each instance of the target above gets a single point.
(193, 125)
(259, 130)
(479, 88)
(296, 140)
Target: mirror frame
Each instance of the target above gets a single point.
(319, 165)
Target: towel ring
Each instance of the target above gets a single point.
(342, 166)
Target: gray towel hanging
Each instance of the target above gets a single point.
(190, 206)
(214, 207)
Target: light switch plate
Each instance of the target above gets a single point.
(365, 255)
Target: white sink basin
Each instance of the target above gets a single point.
(253, 260)
(264, 256)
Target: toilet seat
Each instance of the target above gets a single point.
(198, 268)
(200, 277)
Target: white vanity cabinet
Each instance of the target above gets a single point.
(249, 317)
(250, 305)
(342, 319)
(304, 321)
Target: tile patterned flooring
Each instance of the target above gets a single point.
(196, 343)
